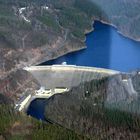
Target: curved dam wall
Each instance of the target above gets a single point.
(66, 75)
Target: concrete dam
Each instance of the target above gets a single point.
(66, 75)
(58, 79)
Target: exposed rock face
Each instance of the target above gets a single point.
(86, 109)
(18, 83)
(119, 88)
(136, 80)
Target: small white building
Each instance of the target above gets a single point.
(41, 90)
(64, 63)
(45, 7)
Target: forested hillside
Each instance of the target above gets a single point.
(18, 126)
(99, 109)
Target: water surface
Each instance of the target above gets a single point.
(37, 108)
(106, 48)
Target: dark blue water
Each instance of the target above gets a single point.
(106, 48)
(37, 108)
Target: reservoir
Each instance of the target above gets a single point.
(106, 48)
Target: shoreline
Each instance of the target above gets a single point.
(119, 31)
(86, 32)
(65, 53)
(90, 30)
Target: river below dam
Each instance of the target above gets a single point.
(37, 108)
(106, 48)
